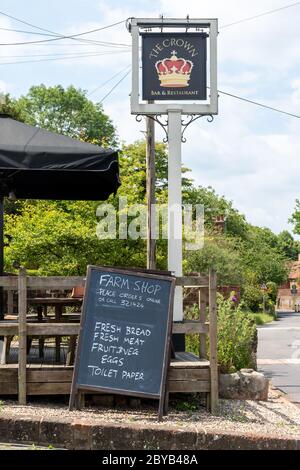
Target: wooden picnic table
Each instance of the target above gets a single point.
(59, 303)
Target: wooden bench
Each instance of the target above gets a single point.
(10, 324)
(40, 330)
(186, 374)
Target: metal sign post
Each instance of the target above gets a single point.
(150, 190)
(174, 206)
(174, 80)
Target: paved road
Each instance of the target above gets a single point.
(279, 353)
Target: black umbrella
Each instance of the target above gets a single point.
(38, 164)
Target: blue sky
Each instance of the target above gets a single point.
(249, 154)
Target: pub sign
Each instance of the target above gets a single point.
(174, 66)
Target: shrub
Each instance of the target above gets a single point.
(252, 296)
(236, 336)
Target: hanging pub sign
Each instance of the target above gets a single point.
(174, 66)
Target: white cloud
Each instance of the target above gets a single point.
(295, 97)
(268, 42)
(4, 87)
(129, 129)
(257, 168)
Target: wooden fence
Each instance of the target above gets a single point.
(182, 375)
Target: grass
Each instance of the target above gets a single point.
(261, 318)
(186, 406)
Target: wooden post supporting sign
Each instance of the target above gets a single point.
(22, 309)
(213, 340)
(150, 167)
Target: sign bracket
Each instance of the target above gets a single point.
(164, 125)
(189, 120)
(156, 118)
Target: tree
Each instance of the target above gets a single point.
(215, 205)
(59, 237)
(260, 255)
(220, 253)
(8, 106)
(295, 218)
(66, 111)
(287, 245)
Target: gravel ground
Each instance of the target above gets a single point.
(277, 417)
(10, 446)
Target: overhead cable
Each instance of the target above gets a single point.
(250, 18)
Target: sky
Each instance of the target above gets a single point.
(248, 154)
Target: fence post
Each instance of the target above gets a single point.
(22, 311)
(202, 317)
(10, 302)
(213, 357)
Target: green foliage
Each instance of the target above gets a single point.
(66, 111)
(260, 255)
(220, 253)
(295, 218)
(272, 290)
(261, 318)
(59, 237)
(287, 245)
(244, 254)
(133, 172)
(186, 406)
(215, 205)
(252, 296)
(236, 337)
(247, 261)
(9, 107)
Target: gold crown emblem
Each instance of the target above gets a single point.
(174, 72)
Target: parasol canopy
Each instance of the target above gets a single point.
(38, 164)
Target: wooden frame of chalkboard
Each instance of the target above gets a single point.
(137, 276)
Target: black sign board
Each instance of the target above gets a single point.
(125, 330)
(174, 66)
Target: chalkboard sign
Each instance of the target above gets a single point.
(125, 331)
